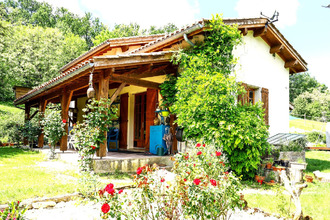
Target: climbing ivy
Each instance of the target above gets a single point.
(206, 99)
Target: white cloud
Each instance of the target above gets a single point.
(287, 10)
(142, 12)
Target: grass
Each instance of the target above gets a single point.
(7, 108)
(314, 198)
(23, 178)
(307, 125)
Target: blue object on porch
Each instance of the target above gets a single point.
(156, 137)
(112, 136)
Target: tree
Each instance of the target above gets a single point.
(302, 82)
(34, 55)
(315, 105)
(170, 27)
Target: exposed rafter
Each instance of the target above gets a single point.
(290, 64)
(134, 81)
(260, 32)
(276, 49)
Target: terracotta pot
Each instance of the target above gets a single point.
(309, 179)
(275, 168)
(262, 178)
(269, 166)
(272, 181)
(256, 177)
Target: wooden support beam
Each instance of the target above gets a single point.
(117, 92)
(290, 64)
(141, 70)
(26, 118)
(276, 49)
(259, 32)
(134, 81)
(32, 116)
(244, 31)
(65, 103)
(42, 107)
(104, 93)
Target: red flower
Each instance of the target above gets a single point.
(93, 147)
(120, 191)
(194, 165)
(167, 187)
(185, 180)
(101, 192)
(218, 153)
(226, 172)
(18, 202)
(203, 145)
(197, 181)
(109, 189)
(199, 153)
(186, 157)
(64, 121)
(139, 170)
(198, 145)
(105, 208)
(162, 180)
(213, 182)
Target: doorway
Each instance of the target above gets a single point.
(140, 107)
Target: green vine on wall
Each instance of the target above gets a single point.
(206, 99)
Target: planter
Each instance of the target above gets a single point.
(298, 166)
(269, 166)
(309, 179)
(279, 168)
(272, 181)
(292, 155)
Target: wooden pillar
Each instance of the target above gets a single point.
(65, 103)
(26, 118)
(104, 93)
(42, 107)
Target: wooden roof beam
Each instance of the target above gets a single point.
(134, 81)
(290, 64)
(244, 31)
(260, 32)
(276, 49)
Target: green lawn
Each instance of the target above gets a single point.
(314, 199)
(7, 109)
(307, 125)
(23, 178)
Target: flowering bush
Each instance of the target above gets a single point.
(199, 188)
(30, 130)
(90, 134)
(13, 212)
(53, 126)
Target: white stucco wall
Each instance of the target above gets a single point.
(258, 68)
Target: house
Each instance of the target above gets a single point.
(130, 71)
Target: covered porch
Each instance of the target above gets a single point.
(131, 82)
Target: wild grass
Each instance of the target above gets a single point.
(23, 178)
(315, 200)
(307, 125)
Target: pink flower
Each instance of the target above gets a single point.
(64, 121)
(198, 145)
(162, 180)
(194, 165)
(213, 182)
(199, 153)
(197, 181)
(105, 208)
(120, 191)
(218, 153)
(226, 173)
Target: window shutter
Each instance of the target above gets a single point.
(242, 98)
(264, 99)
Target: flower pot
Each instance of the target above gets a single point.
(309, 179)
(272, 181)
(256, 177)
(269, 166)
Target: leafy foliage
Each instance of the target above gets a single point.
(168, 91)
(53, 126)
(315, 105)
(316, 137)
(34, 55)
(90, 134)
(206, 100)
(199, 188)
(10, 124)
(303, 82)
(30, 130)
(14, 211)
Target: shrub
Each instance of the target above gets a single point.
(296, 145)
(30, 130)
(13, 212)
(199, 188)
(316, 137)
(10, 126)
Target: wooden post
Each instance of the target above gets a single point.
(26, 118)
(42, 107)
(65, 103)
(104, 93)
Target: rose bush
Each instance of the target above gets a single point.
(199, 187)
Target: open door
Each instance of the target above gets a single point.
(140, 105)
(123, 121)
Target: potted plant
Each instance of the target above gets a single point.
(269, 163)
(260, 175)
(309, 179)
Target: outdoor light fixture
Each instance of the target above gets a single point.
(91, 90)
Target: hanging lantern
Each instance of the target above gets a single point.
(91, 90)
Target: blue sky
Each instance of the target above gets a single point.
(304, 23)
